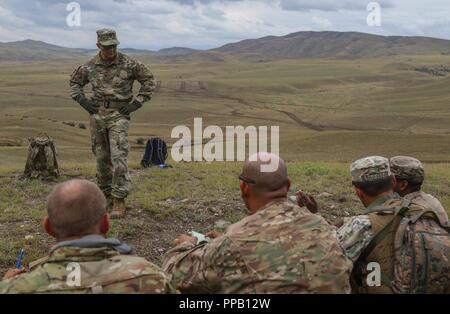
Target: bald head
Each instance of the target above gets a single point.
(255, 169)
(75, 208)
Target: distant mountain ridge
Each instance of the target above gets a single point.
(335, 45)
(348, 45)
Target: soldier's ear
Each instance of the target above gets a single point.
(393, 180)
(244, 189)
(104, 224)
(289, 182)
(359, 193)
(48, 227)
(402, 185)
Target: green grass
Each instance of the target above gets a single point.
(166, 203)
(381, 105)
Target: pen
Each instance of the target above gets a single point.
(20, 259)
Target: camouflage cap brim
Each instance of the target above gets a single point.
(109, 42)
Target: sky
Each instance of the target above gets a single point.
(204, 24)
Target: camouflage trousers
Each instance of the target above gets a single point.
(109, 134)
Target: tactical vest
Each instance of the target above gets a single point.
(393, 225)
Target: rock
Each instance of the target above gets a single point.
(324, 194)
(29, 237)
(293, 198)
(222, 224)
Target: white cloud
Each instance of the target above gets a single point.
(156, 24)
(322, 22)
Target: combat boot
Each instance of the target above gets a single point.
(118, 208)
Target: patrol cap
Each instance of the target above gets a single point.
(407, 168)
(107, 37)
(370, 169)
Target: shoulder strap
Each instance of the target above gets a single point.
(38, 262)
(146, 160)
(398, 215)
(161, 153)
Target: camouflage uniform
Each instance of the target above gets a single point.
(411, 169)
(103, 270)
(280, 249)
(356, 232)
(400, 272)
(112, 84)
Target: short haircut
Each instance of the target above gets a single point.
(375, 188)
(75, 207)
(266, 182)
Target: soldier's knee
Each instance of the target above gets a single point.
(120, 170)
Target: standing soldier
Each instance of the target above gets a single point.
(111, 75)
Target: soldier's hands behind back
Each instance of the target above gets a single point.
(305, 200)
(130, 107)
(89, 106)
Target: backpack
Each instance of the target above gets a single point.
(421, 250)
(42, 158)
(155, 153)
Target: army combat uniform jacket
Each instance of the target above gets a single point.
(113, 81)
(280, 249)
(98, 267)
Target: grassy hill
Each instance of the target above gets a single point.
(299, 45)
(347, 45)
(327, 110)
(32, 50)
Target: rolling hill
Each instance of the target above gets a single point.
(32, 50)
(341, 45)
(347, 45)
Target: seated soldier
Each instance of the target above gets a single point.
(83, 259)
(278, 248)
(410, 176)
(377, 237)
